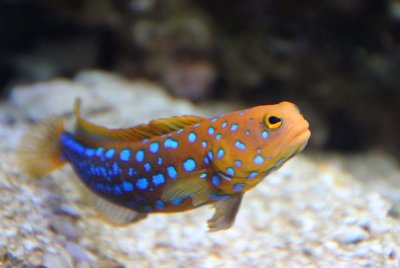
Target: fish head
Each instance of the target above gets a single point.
(266, 137)
(282, 133)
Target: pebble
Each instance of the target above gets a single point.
(65, 226)
(50, 260)
(350, 234)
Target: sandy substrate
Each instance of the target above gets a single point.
(313, 212)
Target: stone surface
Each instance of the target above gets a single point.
(311, 213)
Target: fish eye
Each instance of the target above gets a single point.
(273, 121)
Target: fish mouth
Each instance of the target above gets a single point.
(300, 139)
(297, 142)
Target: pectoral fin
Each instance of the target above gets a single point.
(225, 213)
(193, 187)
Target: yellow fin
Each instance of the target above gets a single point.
(194, 187)
(225, 213)
(39, 151)
(91, 134)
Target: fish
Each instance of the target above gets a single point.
(171, 164)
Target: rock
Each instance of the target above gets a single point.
(311, 213)
(350, 234)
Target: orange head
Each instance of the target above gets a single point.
(259, 140)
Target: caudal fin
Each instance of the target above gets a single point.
(39, 151)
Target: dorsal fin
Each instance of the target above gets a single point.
(91, 134)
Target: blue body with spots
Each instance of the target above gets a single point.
(174, 164)
(228, 152)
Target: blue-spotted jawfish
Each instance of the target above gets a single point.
(173, 164)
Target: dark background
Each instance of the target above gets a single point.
(339, 60)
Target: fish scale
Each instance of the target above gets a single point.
(174, 164)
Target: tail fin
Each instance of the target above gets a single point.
(39, 151)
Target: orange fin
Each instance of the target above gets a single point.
(225, 213)
(91, 134)
(39, 151)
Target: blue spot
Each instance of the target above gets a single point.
(189, 165)
(127, 186)
(176, 201)
(98, 187)
(220, 153)
(153, 147)
(258, 160)
(92, 170)
(192, 137)
(206, 160)
(131, 171)
(252, 175)
(142, 183)
(221, 115)
(203, 175)
(170, 143)
(160, 204)
(197, 125)
(241, 113)
(204, 144)
(159, 161)
(238, 163)
(103, 172)
(171, 170)
(218, 197)
(110, 153)
(147, 167)
(218, 136)
(211, 130)
(234, 127)
(145, 141)
(140, 156)
(99, 151)
(116, 168)
(125, 155)
(180, 131)
(214, 119)
(240, 145)
(238, 187)
(251, 120)
(117, 190)
(216, 181)
(147, 208)
(230, 171)
(247, 132)
(224, 124)
(210, 155)
(109, 188)
(158, 179)
(264, 134)
(90, 152)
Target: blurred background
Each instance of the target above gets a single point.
(338, 60)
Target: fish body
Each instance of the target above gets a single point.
(178, 163)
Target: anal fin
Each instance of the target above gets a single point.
(117, 215)
(225, 213)
(108, 211)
